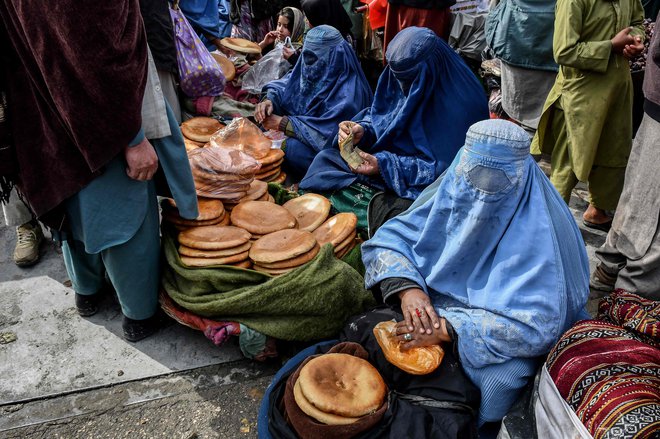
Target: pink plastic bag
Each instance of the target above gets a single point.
(200, 73)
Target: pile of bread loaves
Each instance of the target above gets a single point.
(240, 135)
(260, 234)
(339, 389)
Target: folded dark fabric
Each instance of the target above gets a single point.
(308, 427)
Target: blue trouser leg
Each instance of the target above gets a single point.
(133, 267)
(85, 270)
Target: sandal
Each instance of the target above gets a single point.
(604, 227)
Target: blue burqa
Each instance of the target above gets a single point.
(498, 252)
(425, 101)
(208, 17)
(325, 87)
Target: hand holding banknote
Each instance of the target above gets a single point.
(348, 131)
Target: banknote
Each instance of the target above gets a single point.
(350, 153)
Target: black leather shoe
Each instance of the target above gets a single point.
(136, 330)
(88, 304)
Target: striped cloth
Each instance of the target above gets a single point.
(608, 370)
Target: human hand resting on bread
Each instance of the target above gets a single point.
(141, 161)
(418, 340)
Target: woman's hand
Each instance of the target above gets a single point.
(418, 312)
(345, 129)
(370, 165)
(415, 340)
(272, 122)
(263, 110)
(141, 161)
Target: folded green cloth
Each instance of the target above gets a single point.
(309, 303)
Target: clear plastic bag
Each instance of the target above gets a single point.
(416, 361)
(222, 173)
(271, 67)
(242, 135)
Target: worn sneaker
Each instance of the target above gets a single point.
(28, 239)
(602, 280)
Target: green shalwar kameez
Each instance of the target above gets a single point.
(587, 119)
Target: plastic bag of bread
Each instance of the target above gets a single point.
(222, 173)
(215, 161)
(416, 361)
(243, 135)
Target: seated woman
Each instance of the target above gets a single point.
(488, 257)
(425, 101)
(326, 86)
(290, 23)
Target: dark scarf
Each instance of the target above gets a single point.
(75, 87)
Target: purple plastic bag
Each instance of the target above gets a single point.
(200, 73)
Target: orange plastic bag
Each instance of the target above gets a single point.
(245, 136)
(416, 361)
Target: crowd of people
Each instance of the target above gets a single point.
(466, 239)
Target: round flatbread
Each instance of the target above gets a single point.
(209, 208)
(257, 190)
(272, 271)
(274, 155)
(262, 218)
(174, 218)
(214, 237)
(346, 242)
(266, 175)
(209, 262)
(244, 264)
(225, 221)
(293, 262)
(310, 410)
(280, 179)
(270, 199)
(340, 254)
(343, 385)
(191, 144)
(240, 45)
(228, 68)
(195, 253)
(266, 168)
(310, 210)
(336, 229)
(221, 177)
(282, 245)
(200, 129)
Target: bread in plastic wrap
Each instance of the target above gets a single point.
(243, 135)
(222, 173)
(416, 361)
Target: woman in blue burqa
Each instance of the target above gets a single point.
(327, 85)
(425, 101)
(488, 260)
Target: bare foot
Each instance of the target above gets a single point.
(595, 215)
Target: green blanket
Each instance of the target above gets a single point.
(309, 303)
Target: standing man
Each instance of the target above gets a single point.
(630, 257)
(587, 120)
(76, 82)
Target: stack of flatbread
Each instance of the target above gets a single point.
(280, 252)
(339, 389)
(258, 191)
(198, 131)
(215, 245)
(340, 231)
(310, 210)
(222, 173)
(211, 212)
(271, 167)
(261, 218)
